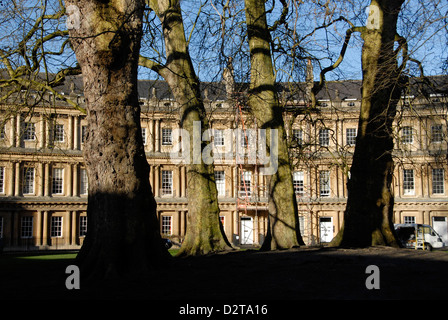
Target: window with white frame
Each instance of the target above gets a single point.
(218, 137)
(408, 182)
(2, 179)
(26, 227)
(297, 135)
(324, 137)
(166, 225)
(82, 226)
(83, 181)
(324, 183)
(28, 180)
(29, 131)
(350, 136)
(56, 227)
(298, 182)
(220, 183)
(167, 182)
(407, 135)
(408, 219)
(59, 133)
(57, 184)
(438, 181)
(167, 136)
(144, 135)
(436, 133)
(246, 178)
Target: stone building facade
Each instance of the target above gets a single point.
(44, 185)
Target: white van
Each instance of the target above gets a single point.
(427, 237)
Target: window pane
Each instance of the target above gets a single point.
(26, 227)
(438, 185)
(220, 183)
(406, 135)
(82, 226)
(408, 181)
(246, 177)
(28, 180)
(59, 133)
(351, 136)
(29, 131)
(324, 181)
(408, 219)
(2, 179)
(218, 137)
(297, 135)
(436, 133)
(166, 225)
(56, 227)
(58, 181)
(167, 182)
(324, 137)
(84, 183)
(144, 135)
(167, 138)
(298, 183)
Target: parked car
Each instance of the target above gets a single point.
(420, 236)
(167, 243)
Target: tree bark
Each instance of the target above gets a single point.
(283, 231)
(369, 212)
(123, 239)
(204, 233)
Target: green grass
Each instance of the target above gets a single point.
(49, 256)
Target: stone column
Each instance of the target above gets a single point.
(41, 185)
(157, 137)
(17, 190)
(70, 135)
(76, 130)
(47, 183)
(11, 179)
(18, 135)
(68, 180)
(45, 228)
(75, 179)
(66, 226)
(156, 181)
(39, 228)
(42, 131)
(182, 191)
(151, 136)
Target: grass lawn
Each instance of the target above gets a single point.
(305, 273)
(29, 275)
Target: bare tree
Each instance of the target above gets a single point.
(124, 238)
(204, 230)
(283, 229)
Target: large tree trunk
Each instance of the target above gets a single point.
(284, 231)
(369, 212)
(204, 233)
(123, 238)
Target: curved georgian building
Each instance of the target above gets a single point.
(44, 185)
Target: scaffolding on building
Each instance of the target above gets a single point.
(249, 191)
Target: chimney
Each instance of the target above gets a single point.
(228, 78)
(309, 80)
